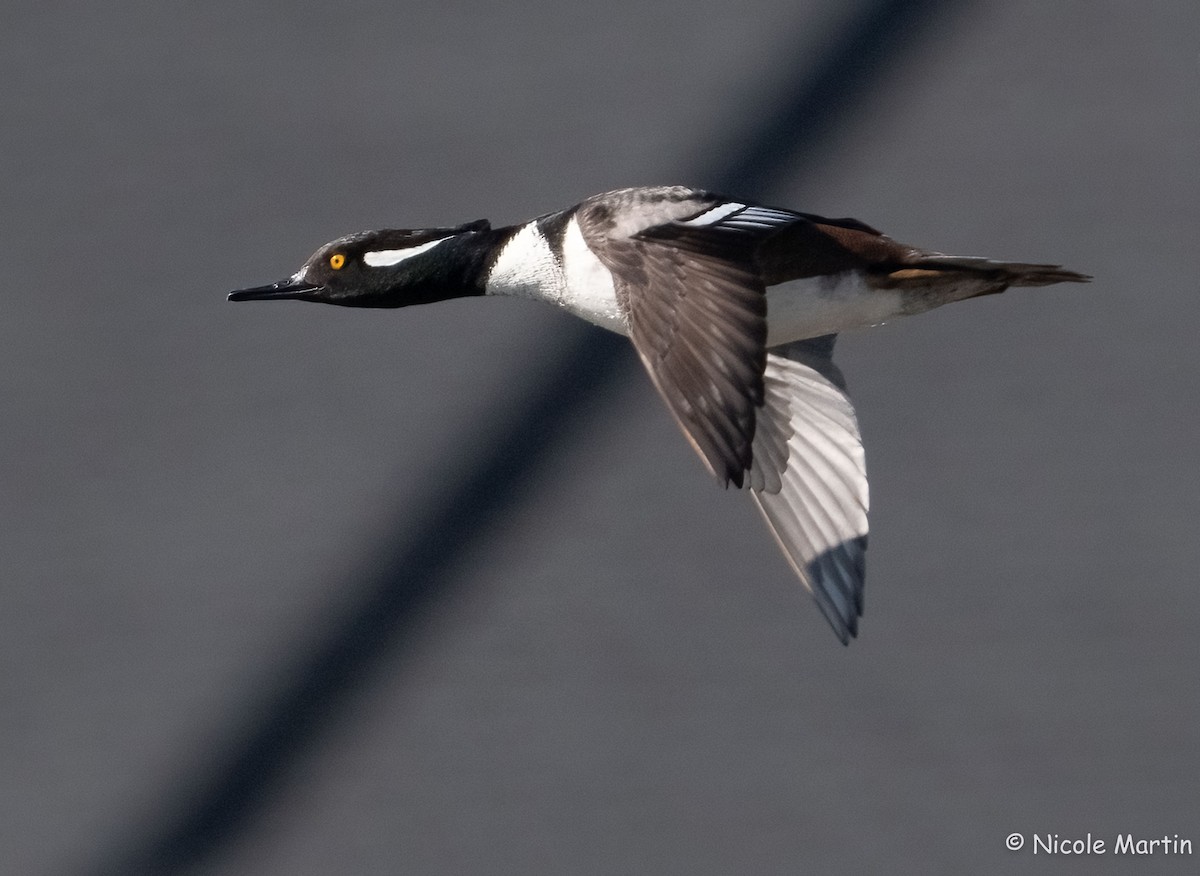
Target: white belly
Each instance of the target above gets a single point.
(824, 305)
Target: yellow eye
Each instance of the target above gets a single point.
(336, 261)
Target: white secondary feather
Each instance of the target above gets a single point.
(809, 479)
(384, 258)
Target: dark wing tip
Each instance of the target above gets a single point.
(837, 577)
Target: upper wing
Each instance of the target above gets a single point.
(697, 311)
(809, 477)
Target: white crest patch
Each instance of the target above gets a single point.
(383, 258)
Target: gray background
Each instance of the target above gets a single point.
(618, 675)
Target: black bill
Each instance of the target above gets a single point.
(289, 288)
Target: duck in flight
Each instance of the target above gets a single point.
(733, 308)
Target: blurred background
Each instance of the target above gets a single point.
(301, 590)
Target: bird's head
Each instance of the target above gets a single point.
(391, 268)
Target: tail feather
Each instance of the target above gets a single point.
(1012, 273)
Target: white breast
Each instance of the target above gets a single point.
(527, 268)
(823, 305)
(577, 281)
(589, 292)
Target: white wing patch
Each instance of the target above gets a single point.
(732, 216)
(713, 214)
(384, 258)
(758, 219)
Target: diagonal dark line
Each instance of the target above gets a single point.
(402, 583)
(818, 98)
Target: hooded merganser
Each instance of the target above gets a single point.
(733, 308)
